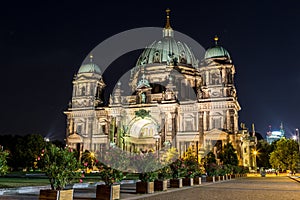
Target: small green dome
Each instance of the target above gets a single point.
(89, 68)
(216, 52)
(143, 83)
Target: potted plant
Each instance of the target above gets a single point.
(60, 165)
(146, 184)
(113, 163)
(197, 177)
(188, 179)
(210, 166)
(111, 178)
(161, 184)
(146, 164)
(178, 170)
(192, 166)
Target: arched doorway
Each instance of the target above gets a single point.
(140, 135)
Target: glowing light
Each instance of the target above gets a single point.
(92, 155)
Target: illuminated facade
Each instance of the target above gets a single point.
(175, 101)
(273, 136)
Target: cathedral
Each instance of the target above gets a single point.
(175, 101)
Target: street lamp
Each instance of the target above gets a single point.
(255, 153)
(298, 138)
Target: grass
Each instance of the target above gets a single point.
(22, 182)
(18, 179)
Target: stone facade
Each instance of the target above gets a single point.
(175, 101)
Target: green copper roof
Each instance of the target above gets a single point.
(167, 50)
(89, 68)
(143, 83)
(216, 52)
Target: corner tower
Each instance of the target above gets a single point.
(217, 96)
(85, 111)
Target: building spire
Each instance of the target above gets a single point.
(216, 39)
(281, 126)
(168, 25)
(168, 31)
(253, 130)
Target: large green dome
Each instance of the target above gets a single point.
(217, 51)
(168, 50)
(165, 50)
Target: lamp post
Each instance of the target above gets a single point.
(255, 165)
(157, 137)
(298, 138)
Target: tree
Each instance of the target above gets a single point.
(228, 155)
(210, 165)
(88, 159)
(286, 155)
(191, 163)
(27, 150)
(60, 165)
(3, 162)
(265, 149)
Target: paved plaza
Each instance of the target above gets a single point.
(249, 188)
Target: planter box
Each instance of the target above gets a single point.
(197, 180)
(188, 182)
(144, 187)
(108, 192)
(160, 185)
(56, 194)
(210, 179)
(176, 183)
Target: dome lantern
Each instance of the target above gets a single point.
(168, 31)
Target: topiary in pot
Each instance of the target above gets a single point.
(61, 166)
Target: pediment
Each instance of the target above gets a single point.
(216, 134)
(74, 138)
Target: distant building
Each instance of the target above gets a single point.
(275, 135)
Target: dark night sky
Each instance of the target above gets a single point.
(43, 43)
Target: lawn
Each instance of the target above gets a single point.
(22, 182)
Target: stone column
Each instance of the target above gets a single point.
(174, 128)
(163, 129)
(201, 128)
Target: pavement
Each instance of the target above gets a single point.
(258, 188)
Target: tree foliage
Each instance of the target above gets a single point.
(60, 165)
(263, 157)
(3, 162)
(27, 150)
(88, 159)
(191, 163)
(285, 155)
(228, 155)
(210, 163)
